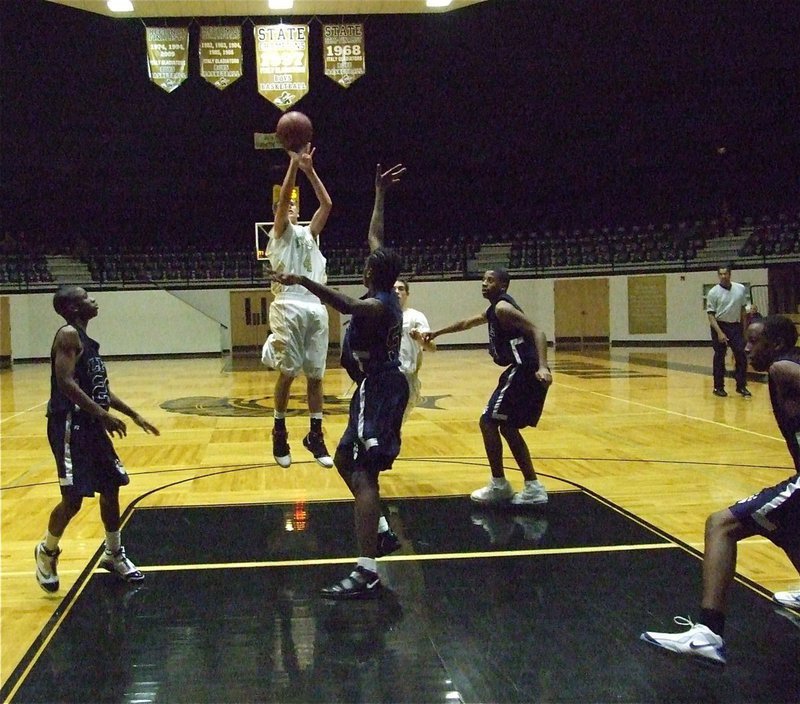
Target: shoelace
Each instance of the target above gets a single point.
(52, 557)
(684, 621)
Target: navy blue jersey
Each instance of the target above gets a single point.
(790, 428)
(372, 345)
(90, 375)
(508, 347)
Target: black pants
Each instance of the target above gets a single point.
(733, 332)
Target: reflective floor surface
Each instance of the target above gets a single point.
(480, 606)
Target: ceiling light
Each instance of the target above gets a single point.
(120, 5)
(437, 3)
(280, 4)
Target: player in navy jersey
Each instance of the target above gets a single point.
(773, 512)
(78, 427)
(371, 441)
(517, 344)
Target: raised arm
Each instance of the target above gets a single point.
(383, 180)
(285, 197)
(306, 165)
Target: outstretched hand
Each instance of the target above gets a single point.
(385, 179)
(145, 425)
(302, 157)
(306, 161)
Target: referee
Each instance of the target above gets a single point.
(725, 307)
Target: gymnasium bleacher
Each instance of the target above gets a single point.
(535, 252)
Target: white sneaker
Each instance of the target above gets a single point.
(498, 526)
(493, 494)
(699, 641)
(790, 599)
(47, 567)
(533, 527)
(119, 564)
(534, 494)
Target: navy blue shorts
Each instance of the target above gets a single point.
(518, 399)
(774, 513)
(371, 440)
(85, 457)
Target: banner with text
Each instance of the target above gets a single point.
(282, 62)
(167, 56)
(221, 55)
(343, 48)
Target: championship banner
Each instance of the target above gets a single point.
(343, 49)
(221, 55)
(282, 62)
(266, 140)
(168, 56)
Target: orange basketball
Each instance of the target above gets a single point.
(294, 130)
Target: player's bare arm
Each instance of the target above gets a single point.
(119, 405)
(285, 197)
(320, 218)
(68, 350)
(383, 181)
(512, 319)
(367, 308)
(419, 336)
(460, 326)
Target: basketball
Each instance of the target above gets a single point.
(294, 130)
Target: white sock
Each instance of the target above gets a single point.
(498, 481)
(113, 541)
(278, 415)
(51, 541)
(532, 482)
(383, 524)
(368, 563)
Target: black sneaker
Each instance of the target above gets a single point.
(280, 447)
(720, 392)
(315, 444)
(388, 542)
(361, 584)
(744, 392)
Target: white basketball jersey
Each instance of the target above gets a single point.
(296, 252)
(410, 349)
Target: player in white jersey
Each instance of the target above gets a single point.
(298, 340)
(412, 345)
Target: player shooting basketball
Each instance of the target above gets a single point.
(298, 342)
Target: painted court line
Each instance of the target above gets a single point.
(22, 413)
(403, 558)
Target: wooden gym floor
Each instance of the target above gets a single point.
(484, 605)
